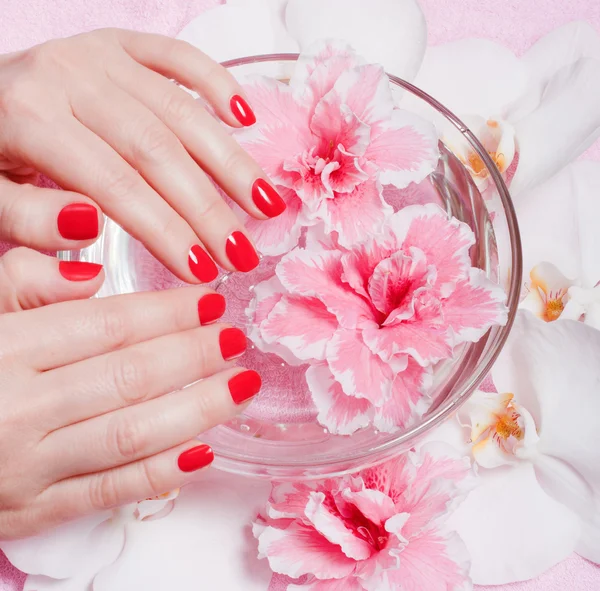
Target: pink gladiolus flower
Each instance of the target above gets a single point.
(381, 529)
(330, 140)
(371, 321)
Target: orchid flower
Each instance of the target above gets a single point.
(537, 444)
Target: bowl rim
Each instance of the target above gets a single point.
(382, 451)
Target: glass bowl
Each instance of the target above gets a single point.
(278, 436)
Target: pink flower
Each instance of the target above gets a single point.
(332, 137)
(372, 320)
(381, 529)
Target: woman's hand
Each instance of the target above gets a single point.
(95, 412)
(99, 115)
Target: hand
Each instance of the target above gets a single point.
(98, 114)
(93, 410)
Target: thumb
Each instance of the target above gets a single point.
(29, 279)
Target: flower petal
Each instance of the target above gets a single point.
(301, 324)
(566, 206)
(360, 373)
(566, 123)
(340, 413)
(333, 529)
(346, 584)
(299, 550)
(448, 70)
(356, 215)
(405, 150)
(385, 32)
(512, 529)
(376, 506)
(213, 513)
(82, 546)
(318, 274)
(359, 263)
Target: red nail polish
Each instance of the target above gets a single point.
(78, 271)
(201, 265)
(267, 199)
(244, 386)
(242, 111)
(78, 221)
(195, 458)
(232, 342)
(241, 252)
(211, 307)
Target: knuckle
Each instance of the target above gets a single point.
(114, 328)
(12, 267)
(124, 438)
(208, 205)
(234, 160)
(129, 377)
(179, 108)
(121, 185)
(154, 143)
(149, 484)
(103, 492)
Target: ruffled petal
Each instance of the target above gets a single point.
(359, 372)
(301, 324)
(512, 529)
(565, 124)
(376, 506)
(340, 413)
(364, 26)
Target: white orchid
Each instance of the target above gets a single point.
(538, 447)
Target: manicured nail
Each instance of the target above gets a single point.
(241, 253)
(78, 271)
(211, 307)
(244, 386)
(267, 199)
(201, 265)
(232, 342)
(242, 111)
(195, 458)
(78, 221)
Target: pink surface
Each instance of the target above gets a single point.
(514, 23)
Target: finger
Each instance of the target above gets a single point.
(191, 67)
(205, 139)
(96, 170)
(68, 333)
(47, 219)
(145, 479)
(29, 279)
(133, 375)
(154, 151)
(142, 430)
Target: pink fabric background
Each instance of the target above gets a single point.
(514, 23)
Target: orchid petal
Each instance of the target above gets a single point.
(387, 32)
(512, 529)
(82, 546)
(360, 373)
(448, 74)
(567, 207)
(213, 513)
(79, 582)
(566, 123)
(301, 324)
(340, 413)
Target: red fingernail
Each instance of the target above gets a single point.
(211, 307)
(78, 221)
(267, 199)
(242, 111)
(244, 386)
(78, 271)
(195, 458)
(232, 342)
(201, 265)
(241, 253)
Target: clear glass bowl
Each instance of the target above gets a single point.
(278, 436)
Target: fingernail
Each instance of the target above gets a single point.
(244, 386)
(195, 458)
(78, 271)
(241, 253)
(242, 111)
(232, 342)
(267, 199)
(211, 307)
(78, 221)
(201, 265)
